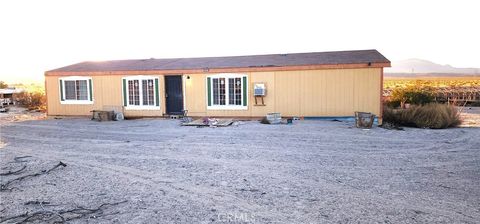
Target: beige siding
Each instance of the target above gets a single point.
(269, 79)
(195, 94)
(287, 98)
(107, 95)
(328, 92)
(332, 92)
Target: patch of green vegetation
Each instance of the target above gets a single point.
(417, 95)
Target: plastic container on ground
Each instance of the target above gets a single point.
(274, 118)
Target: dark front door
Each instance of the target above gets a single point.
(174, 94)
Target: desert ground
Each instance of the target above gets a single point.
(470, 116)
(156, 171)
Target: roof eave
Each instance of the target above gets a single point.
(225, 70)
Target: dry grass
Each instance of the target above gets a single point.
(434, 115)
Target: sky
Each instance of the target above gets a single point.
(36, 36)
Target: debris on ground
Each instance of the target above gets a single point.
(391, 126)
(210, 122)
(288, 121)
(364, 120)
(265, 120)
(237, 123)
(274, 118)
(104, 115)
(36, 202)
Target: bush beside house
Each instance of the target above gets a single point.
(433, 115)
(424, 112)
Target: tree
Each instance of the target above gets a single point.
(417, 95)
(3, 85)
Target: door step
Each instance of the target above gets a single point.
(174, 116)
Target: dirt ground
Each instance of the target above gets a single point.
(308, 172)
(17, 114)
(470, 116)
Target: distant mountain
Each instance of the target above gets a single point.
(419, 66)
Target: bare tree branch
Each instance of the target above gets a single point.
(13, 172)
(18, 159)
(60, 216)
(5, 186)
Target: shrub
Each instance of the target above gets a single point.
(419, 97)
(33, 101)
(434, 115)
(391, 116)
(392, 103)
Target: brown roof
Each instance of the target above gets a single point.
(253, 61)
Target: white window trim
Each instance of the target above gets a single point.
(227, 107)
(136, 107)
(184, 87)
(142, 107)
(75, 78)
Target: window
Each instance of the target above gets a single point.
(235, 91)
(133, 92)
(76, 90)
(147, 86)
(219, 91)
(227, 91)
(141, 92)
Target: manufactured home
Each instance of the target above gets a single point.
(320, 84)
(9, 96)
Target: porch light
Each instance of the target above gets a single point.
(189, 81)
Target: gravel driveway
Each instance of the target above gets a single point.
(309, 172)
